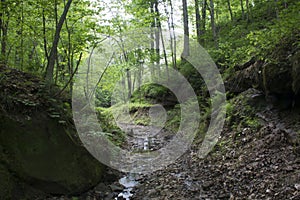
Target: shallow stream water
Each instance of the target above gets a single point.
(142, 139)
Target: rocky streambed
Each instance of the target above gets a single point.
(257, 157)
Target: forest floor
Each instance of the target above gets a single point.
(260, 162)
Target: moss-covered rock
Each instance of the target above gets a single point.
(277, 78)
(246, 78)
(40, 152)
(39, 147)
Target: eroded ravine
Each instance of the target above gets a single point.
(140, 139)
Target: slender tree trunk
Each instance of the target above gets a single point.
(230, 10)
(204, 6)
(165, 52)
(248, 11)
(173, 36)
(53, 52)
(44, 36)
(186, 46)
(198, 21)
(3, 27)
(140, 73)
(242, 8)
(213, 25)
(128, 83)
(152, 37)
(157, 37)
(56, 57)
(22, 35)
(70, 82)
(134, 80)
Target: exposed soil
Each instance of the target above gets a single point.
(246, 164)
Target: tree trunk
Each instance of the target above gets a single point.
(230, 10)
(198, 21)
(152, 37)
(204, 4)
(157, 37)
(164, 51)
(3, 27)
(172, 33)
(53, 52)
(173, 36)
(44, 36)
(248, 11)
(128, 83)
(243, 11)
(186, 45)
(22, 35)
(213, 25)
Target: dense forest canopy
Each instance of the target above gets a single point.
(51, 38)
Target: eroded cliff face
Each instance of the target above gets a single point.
(278, 77)
(39, 152)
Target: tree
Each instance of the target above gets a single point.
(53, 52)
(198, 21)
(242, 8)
(204, 5)
(213, 24)
(230, 10)
(186, 46)
(4, 20)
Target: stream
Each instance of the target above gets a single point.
(129, 182)
(140, 138)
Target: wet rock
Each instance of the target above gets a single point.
(116, 188)
(41, 152)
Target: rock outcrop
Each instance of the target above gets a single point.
(279, 80)
(39, 152)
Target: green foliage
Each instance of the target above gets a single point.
(269, 26)
(281, 31)
(29, 29)
(229, 110)
(253, 123)
(153, 90)
(109, 126)
(193, 76)
(173, 118)
(103, 98)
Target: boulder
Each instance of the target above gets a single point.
(280, 79)
(39, 147)
(40, 151)
(277, 78)
(246, 78)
